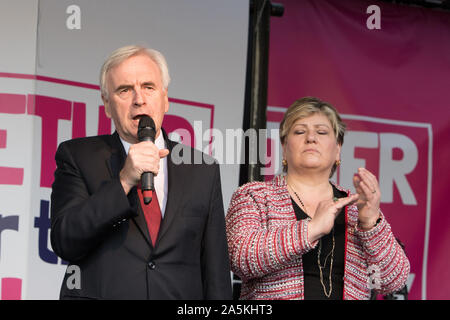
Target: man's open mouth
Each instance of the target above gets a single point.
(139, 116)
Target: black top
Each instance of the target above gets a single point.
(312, 285)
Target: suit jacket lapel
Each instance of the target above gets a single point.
(175, 189)
(118, 156)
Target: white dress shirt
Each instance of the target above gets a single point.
(161, 183)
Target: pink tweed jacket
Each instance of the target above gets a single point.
(266, 244)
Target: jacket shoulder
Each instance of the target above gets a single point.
(255, 186)
(88, 145)
(277, 183)
(87, 141)
(257, 189)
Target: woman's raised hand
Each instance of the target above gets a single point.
(323, 221)
(367, 187)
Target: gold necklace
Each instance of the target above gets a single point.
(328, 294)
(319, 251)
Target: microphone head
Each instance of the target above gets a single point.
(146, 129)
(146, 121)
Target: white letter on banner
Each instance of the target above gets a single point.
(350, 164)
(74, 20)
(374, 21)
(396, 170)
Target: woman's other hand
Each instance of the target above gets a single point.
(368, 204)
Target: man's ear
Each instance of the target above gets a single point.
(107, 106)
(166, 101)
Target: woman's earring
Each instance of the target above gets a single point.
(338, 163)
(284, 162)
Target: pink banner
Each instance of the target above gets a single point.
(386, 68)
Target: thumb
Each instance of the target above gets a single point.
(163, 153)
(347, 200)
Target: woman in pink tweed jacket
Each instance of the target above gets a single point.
(301, 237)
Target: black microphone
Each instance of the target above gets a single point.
(147, 132)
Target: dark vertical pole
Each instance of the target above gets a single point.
(259, 78)
(255, 104)
(256, 83)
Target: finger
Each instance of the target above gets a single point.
(369, 174)
(367, 189)
(149, 162)
(370, 179)
(152, 168)
(145, 143)
(357, 183)
(364, 183)
(143, 149)
(356, 180)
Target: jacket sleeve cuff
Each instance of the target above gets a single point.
(373, 238)
(304, 244)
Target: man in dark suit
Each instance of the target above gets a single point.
(97, 217)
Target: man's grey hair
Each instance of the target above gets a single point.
(123, 53)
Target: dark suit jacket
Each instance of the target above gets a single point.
(97, 227)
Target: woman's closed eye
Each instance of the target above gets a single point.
(321, 132)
